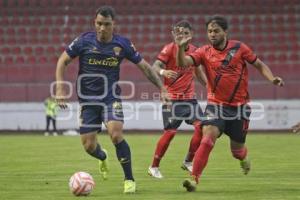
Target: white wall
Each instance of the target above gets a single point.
(266, 115)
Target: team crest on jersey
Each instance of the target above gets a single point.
(117, 50)
(117, 105)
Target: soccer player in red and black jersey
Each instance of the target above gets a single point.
(179, 82)
(227, 111)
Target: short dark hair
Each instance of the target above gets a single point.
(184, 24)
(106, 11)
(218, 19)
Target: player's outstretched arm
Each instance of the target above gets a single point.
(200, 75)
(61, 66)
(154, 78)
(159, 66)
(267, 73)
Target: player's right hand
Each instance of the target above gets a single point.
(180, 38)
(170, 74)
(60, 97)
(278, 81)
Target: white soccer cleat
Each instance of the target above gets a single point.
(55, 134)
(154, 171)
(188, 166)
(46, 133)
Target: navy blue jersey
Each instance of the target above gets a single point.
(99, 65)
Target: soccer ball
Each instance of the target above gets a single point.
(81, 184)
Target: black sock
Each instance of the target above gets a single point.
(124, 157)
(98, 153)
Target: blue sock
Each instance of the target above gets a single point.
(98, 153)
(124, 157)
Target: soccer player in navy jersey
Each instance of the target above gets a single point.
(227, 111)
(100, 53)
(179, 81)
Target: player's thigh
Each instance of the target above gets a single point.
(212, 121)
(194, 112)
(169, 117)
(113, 111)
(91, 118)
(237, 130)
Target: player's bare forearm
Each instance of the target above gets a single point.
(200, 74)
(62, 63)
(181, 59)
(150, 73)
(264, 69)
(267, 73)
(158, 66)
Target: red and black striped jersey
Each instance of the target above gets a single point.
(183, 86)
(226, 71)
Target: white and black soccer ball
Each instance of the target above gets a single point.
(81, 184)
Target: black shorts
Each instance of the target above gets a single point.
(233, 121)
(181, 110)
(93, 114)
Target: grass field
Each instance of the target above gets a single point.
(38, 167)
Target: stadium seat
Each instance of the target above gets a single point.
(13, 92)
(20, 60)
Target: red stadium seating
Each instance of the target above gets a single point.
(34, 32)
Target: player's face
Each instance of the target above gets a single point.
(216, 35)
(104, 28)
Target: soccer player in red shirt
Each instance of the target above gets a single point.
(227, 111)
(179, 82)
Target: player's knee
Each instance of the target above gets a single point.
(240, 153)
(211, 130)
(88, 145)
(208, 140)
(116, 137)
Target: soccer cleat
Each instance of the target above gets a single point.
(154, 171)
(46, 133)
(55, 134)
(190, 185)
(188, 166)
(103, 166)
(129, 187)
(245, 165)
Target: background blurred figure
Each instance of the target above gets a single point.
(51, 112)
(296, 127)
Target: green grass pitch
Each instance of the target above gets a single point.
(37, 167)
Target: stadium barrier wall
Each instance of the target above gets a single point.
(266, 115)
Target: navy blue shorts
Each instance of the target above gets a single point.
(181, 110)
(93, 114)
(233, 121)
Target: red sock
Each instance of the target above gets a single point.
(202, 154)
(162, 146)
(195, 142)
(239, 154)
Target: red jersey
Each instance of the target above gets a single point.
(226, 71)
(183, 86)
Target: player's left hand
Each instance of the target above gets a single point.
(165, 96)
(296, 128)
(278, 81)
